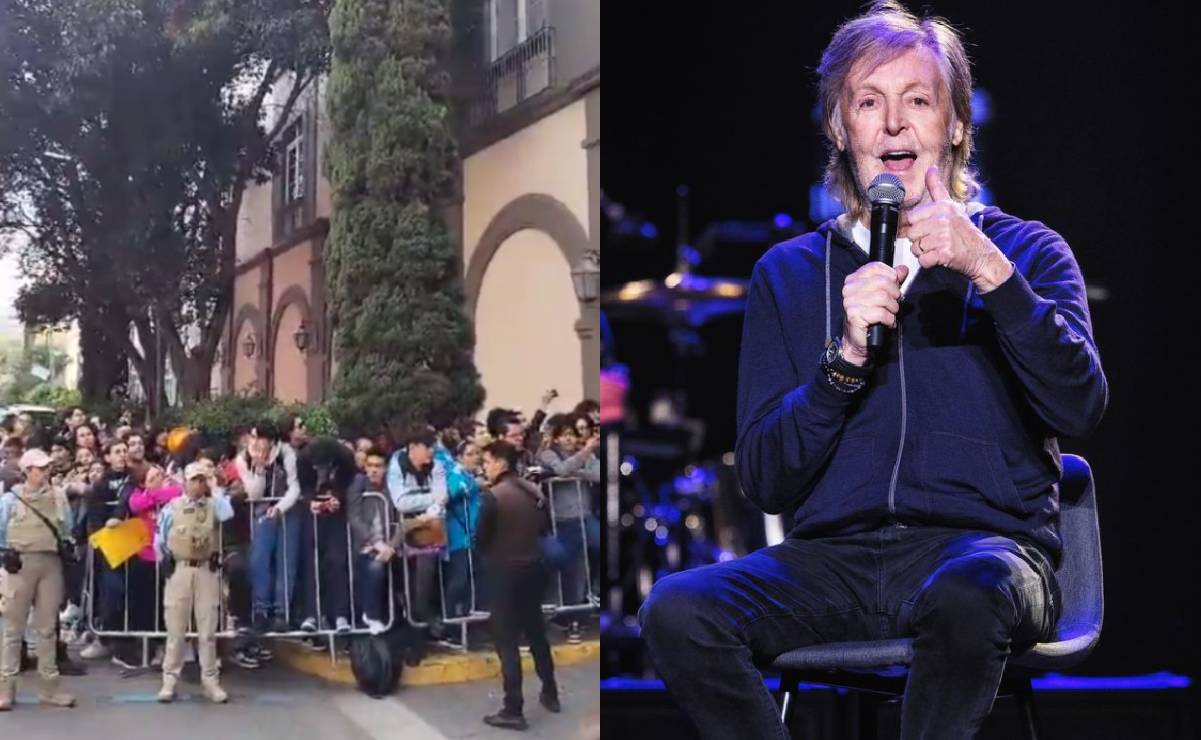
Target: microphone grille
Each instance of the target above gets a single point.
(886, 188)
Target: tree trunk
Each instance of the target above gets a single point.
(195, 375)
(104, 365)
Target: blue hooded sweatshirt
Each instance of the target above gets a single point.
(958, 425)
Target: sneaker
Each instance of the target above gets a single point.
(157, 660)
(507, 721)
(69, 614)
(550, 702)
(166, 694)
(573, 633)
(244, 659)
(261, 653)
(342, 626)
(308, 625)
(375, 626)
(95, 651)
(122, 662)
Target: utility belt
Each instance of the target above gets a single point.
(212, 562)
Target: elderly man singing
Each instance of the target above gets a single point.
(921, 480)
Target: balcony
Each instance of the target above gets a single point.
(521, 73)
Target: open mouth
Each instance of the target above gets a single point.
(898, 160)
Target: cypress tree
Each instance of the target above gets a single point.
(401, 335)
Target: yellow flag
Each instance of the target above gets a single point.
(121, 542)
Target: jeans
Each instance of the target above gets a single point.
(965, 597)
(581, 563)
(371, 587)
(517, 610)
(458, 578)
(329, 563)
(274, 556)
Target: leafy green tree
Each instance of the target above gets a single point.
(403, 339)
(136, 126)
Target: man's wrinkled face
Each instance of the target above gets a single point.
(896, 119)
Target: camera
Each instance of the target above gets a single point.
(10, 560)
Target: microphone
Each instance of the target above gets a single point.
(885, 193)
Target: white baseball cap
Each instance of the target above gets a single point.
(195, 470)
(34, 458)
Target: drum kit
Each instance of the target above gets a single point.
(668, 506)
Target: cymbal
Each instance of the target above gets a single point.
(680, 298)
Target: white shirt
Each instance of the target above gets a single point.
(902, 254)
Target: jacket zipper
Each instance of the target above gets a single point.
(896, 468)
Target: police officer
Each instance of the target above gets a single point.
(33, 518)
(187, 534)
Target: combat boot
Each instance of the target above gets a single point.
(51, 694)
(167, 693)
(8, 695)
(213, 691)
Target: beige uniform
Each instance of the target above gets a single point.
(193, 587)
(39, 585)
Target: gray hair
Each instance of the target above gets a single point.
(883, 33)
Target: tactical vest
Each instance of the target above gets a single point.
(26, 531)
(193, 534)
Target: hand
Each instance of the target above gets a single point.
(112, 523)
(592, 444)
(943, 235)
(332, 505)
(549, 396)
(383, 552)
(273, 512)
(870, 295)
(316, 507)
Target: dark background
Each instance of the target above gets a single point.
(1094, 132)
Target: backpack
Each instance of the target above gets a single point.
(376, 669)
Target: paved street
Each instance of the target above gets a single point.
(274, 703)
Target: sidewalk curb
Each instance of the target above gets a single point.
(440, 668)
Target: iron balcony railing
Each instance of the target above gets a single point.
(522, 72)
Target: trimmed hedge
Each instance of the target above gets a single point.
(222, 415)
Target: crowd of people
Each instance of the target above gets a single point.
(274, 532)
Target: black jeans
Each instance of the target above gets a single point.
(327, 562)
(964, 596)
(517, 609)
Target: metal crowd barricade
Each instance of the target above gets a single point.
(224, 630)
(473, 614)
(591, 601)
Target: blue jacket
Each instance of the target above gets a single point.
(959, 424)
(463, 506)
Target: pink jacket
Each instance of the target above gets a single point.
(145, 504)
